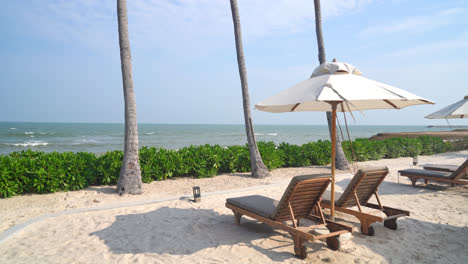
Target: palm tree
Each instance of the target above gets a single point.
(340, 158)
(259, 169)
(130, 174)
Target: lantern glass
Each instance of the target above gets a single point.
(196, 194)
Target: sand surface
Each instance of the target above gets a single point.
(180, 231)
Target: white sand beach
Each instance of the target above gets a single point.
(84, 227)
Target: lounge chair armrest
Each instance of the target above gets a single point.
(331, 225)
(331, 234)
(389, 211)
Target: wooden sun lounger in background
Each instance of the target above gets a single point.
(358, 193)
(453, 178)
(298, 201)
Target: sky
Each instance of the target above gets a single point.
(60, 61)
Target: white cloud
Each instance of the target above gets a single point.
(459, 43)
(164, 22)
(265, 17)
(416, 24)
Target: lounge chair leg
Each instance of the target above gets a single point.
(333, 242)
(413, 181)
(238, 217)
(366, 227)
(391, 224)
(299, 248)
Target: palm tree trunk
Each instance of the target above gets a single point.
(130, 174)
(259, 169)
(340, 158)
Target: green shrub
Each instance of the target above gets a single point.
(9, 183)
(431, 145)
(271, 157)
(319, 152)
(157, 163)
(202, 161)
(108, 169)
(362, 149)
(38, 172)
(239, 159)
(293, 155)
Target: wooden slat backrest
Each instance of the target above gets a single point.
(365, 183)
(461, 172)
(303, 192)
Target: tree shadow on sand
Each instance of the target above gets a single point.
(103, 189)
(418, 241)
(178, 231)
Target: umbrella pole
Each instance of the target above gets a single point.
(332, 198)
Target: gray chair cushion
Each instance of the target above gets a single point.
(440, 167)
(429, 173)
(258, 204)
(268, 207)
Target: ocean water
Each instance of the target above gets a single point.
(99, 138)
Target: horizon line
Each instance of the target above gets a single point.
(234, 124)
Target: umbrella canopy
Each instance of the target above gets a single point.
(339, 87)
(456, 110)
(339, 82)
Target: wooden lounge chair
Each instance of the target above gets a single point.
(453, 178)
(358, 193)
(298, 201)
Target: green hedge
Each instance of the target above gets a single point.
(39, 172)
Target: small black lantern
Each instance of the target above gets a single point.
(415, 161)
(196, 194)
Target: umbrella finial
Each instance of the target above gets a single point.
(334, 60)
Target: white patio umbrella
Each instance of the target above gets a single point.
(339, 87)
(455, 110)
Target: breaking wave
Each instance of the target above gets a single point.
(268, 134)
(28, 144)
(86, 142)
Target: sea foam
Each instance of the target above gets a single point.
(86, 142)
(29, 144)
(268, 134)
